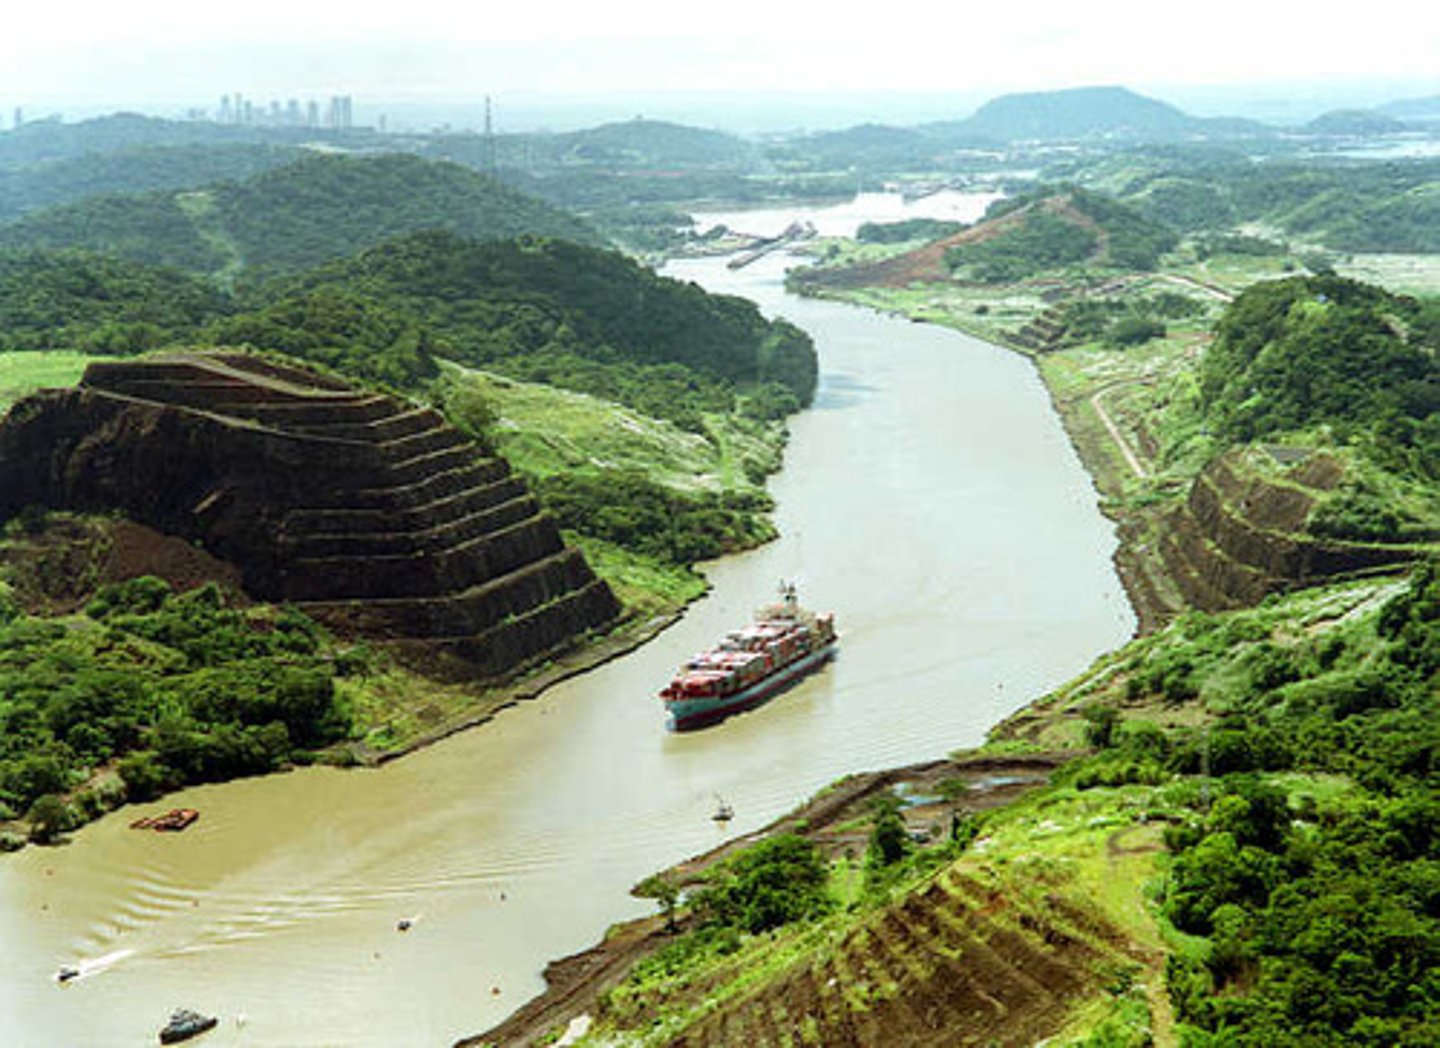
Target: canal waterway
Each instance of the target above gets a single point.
(929, 498)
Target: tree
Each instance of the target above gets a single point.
(666, 894)
(1100, 725)
(888, 839)
(49, 817)
(779, 880)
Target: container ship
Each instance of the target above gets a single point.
(751, 665)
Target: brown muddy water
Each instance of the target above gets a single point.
(929, 498)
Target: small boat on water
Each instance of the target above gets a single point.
(723, 811)
(185, 1024)
(66, 973)
(173, 821)
(752, 664)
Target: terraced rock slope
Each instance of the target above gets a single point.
(959, 963)
(1241, 535)
(371, 514)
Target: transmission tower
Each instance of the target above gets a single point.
(489, 139)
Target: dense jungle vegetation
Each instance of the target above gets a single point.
(582, 318)
(1296, 353)
(1306, 873)
(540, 309)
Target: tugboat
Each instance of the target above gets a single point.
(751, 665)
(185, 1024)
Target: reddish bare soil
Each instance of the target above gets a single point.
(136, 550)
(927, 264)
(923, 265)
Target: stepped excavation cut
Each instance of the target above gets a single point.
(369, 513)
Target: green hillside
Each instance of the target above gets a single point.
(649, 143)
(1390, 206)
(329, 206)
(584, 318)
(142, 227)
(1355, 123)
(293, 217)
(42, 141)
(1295, 354)
(133, 170)
(547, 310)
(75, 300)
(1299, 887)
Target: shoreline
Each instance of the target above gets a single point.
(574, 983)
(626, 638)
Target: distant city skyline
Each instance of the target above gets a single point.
(157, 55)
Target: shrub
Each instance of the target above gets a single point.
(779, 880)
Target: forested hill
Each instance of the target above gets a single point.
(74, 300)
(41, 141)
(549, 310)
(568, 309)
(296, 216)
(135, 170)
(646, 144)
(1322, 350)
(328, 206)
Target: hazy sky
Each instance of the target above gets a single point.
(187, 52)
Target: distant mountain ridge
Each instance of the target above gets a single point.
(1355, 122)
(40, 141)
(1086, 112)
(1413, 110)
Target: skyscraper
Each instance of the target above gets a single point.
(341, 114)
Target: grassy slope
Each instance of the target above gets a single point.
(23, 373)
(542, 430)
